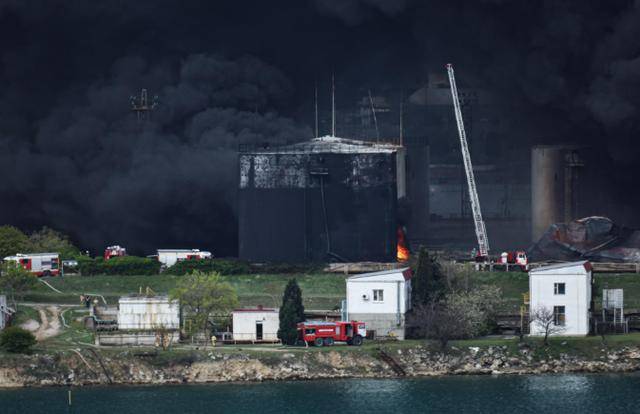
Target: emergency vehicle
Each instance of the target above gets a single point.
(326, 333)
(518, 257)
(114, 251)
(40, 264)
(169, 257)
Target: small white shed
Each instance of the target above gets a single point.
(381, 300)
(256, 324)
(564, 289)
(148, 313)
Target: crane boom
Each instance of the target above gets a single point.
(481, 231)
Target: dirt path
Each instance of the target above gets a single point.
(49, 324)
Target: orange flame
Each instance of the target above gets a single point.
(403, 251)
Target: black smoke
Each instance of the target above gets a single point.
(73, 156)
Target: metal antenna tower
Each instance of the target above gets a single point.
(140, 104)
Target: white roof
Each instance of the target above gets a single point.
(181, 251)
(571, 268)
(30, 255)
(399, 275)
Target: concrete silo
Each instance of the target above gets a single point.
(555, 171)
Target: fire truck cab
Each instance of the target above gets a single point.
(326, 333)
(518, 257)
(40, 264)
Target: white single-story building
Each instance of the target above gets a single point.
(565, 290)
(148, 313)
(380, 300)
(256, 324)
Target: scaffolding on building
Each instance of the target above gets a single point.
(612, 319)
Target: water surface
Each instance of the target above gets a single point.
(574, 394)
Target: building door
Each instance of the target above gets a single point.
(258, 331)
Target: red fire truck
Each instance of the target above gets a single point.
(517, 257)
(114, 251)
(326, 333)
(40, 264)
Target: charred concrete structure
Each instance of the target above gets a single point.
(322, 200)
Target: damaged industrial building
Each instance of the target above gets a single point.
(322, 200)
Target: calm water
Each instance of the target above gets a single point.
(575, 394)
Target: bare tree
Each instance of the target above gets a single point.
(441, 322)
(545, 319)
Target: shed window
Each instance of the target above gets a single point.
(559, 316)
(378, 295)
(558, 288)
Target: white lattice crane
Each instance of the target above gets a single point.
(481, 231)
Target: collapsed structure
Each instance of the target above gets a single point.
(594, 238)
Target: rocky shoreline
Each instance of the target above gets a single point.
(126, 367)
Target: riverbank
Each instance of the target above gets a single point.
(90, 366)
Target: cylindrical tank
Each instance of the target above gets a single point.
(547, 187)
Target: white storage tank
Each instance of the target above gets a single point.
(148, 313)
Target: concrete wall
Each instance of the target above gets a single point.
(576, 300)
(148, 313)
(133, 339)
(384, 324)
(3, 311)
(244, 325)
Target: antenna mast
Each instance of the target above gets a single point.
(375, 120)
(401, 120)
(316, 106)
(333, 105)
(481, 231)
(140, 104)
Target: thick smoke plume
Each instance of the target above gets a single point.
(74, 157)
(98, 172)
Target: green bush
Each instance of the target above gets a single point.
(222, 266)
(126, 265)
(16, 339)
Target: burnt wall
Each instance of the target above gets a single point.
(317, 207)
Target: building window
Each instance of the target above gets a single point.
(558, 288)
(558, 316)
(378, 295)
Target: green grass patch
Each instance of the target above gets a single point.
(320, 291)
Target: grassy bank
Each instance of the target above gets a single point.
(320, 290)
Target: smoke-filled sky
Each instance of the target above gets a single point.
(74, 157)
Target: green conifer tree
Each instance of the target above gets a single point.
(291, 313)
(427, 283)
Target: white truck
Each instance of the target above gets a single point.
(169, 257)
(40, 264)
